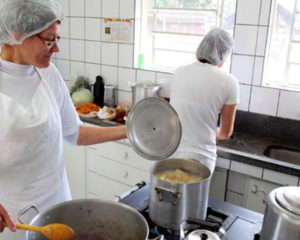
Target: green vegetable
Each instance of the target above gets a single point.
(81, 96)
(81, 82)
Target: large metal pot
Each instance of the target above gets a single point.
(94, 219)
(282, 215)
(170, 204)
(143, 90)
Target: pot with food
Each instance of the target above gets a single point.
(94, 219)
(179, 189)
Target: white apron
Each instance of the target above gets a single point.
(31, 166)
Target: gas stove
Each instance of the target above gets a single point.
(239, 223)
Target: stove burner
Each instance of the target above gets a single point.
(212, 217)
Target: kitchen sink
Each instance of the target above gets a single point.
(286, 154)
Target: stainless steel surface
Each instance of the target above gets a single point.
(168, 208)
(279, 222)
(283, 153)
(201, 235)
(143, 90)
(153, 128)
(109, 96)
(94, 219)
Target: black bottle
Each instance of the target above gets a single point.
(99, 91)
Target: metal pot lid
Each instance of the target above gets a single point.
(153, 128)
(289, 198)
(202, 235)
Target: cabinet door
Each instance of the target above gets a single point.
(255, 194)
(74, 158)
(218, 184)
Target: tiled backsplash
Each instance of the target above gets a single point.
(83, 51)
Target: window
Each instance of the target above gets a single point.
(282, 59)
(168, 32)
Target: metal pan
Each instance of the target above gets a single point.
(154, 128)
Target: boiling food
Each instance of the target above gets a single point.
(178, 176)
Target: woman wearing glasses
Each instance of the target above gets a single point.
(36, 112)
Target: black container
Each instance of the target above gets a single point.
(98, 91)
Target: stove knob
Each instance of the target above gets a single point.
(204, 236)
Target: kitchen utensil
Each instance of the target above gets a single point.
(53, 231)
(143, 90)
(95, 219)
(169, 203)
(153, 128)
(206, 232)
(282, 215)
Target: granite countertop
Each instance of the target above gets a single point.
(250, 149)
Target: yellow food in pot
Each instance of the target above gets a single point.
(178, 176)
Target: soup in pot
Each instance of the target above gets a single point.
(178, 176)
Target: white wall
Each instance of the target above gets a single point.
(83, 51)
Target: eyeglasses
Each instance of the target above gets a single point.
(49, 44)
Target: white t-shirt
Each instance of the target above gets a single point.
(198, 93)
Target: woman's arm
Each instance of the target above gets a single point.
(227, 118)
(92, 134)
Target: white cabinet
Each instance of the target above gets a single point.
(74, 159)
(113, 168)
(218, 184)
(255, 193)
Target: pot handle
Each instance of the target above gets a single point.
(255, 190)
(161, 190)
(25, 210)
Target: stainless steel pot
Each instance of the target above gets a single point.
(94, 219)
(282, 215)
(170, 204)
(143, 90)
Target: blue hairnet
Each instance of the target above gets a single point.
(20, 19)
(215, 46)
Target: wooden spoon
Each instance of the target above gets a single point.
(53, 231)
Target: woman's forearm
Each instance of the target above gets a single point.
(93, 134)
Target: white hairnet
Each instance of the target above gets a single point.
(20, 19)
(215, 46)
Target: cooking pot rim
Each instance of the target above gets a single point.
(91, 200)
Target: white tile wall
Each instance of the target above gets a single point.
(92, 8)
(109, 53)
(242, 68)
(245, 39)
(126, 75)
(77, 28)
(109, 74)
(248, 12)
(77, 8)
(126, 55)
(244, 97)
(93, 29)
(289, 105)
(127, 8)
(145, 76)
(110, 8)
(258, 70)
(86, 23)
(261, 41)
(264, 100)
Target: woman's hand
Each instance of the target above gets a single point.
(5, 218)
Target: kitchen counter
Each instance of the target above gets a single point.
(250, 149)
(247, 145)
